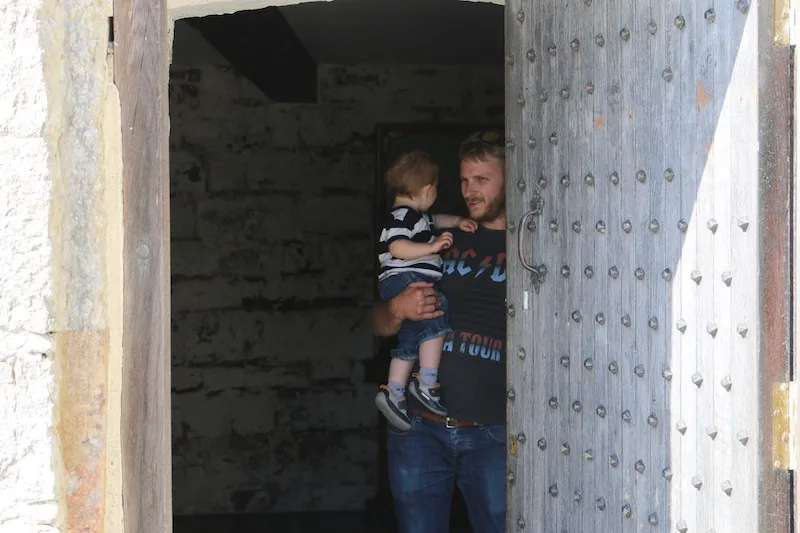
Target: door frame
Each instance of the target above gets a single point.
(141, 48)
(141, 51)
(776, 105)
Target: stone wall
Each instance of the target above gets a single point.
(273, 275)
(27, 474)
(55, 338)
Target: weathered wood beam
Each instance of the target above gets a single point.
(262, 46)
(141, 75)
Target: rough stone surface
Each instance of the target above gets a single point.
(28, 500)
(54, 72)
(273, 276)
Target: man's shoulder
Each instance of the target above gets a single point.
(482, 237)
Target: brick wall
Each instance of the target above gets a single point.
(272, 277)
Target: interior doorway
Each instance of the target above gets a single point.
(280, 125)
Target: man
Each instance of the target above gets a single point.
(467, 448)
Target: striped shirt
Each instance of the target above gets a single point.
(404, 222)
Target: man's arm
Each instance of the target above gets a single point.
(418, 301)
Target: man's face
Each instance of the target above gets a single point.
(483, 188)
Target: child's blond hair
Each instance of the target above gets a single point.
(410, 172)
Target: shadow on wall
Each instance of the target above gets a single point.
(272, 277)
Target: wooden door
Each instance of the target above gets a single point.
(647, 186)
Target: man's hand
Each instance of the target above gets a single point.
(418, 301)
(442, 242)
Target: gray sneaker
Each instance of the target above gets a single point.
(393, 408)
(428, 396)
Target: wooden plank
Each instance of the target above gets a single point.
(796, 256)
(704, 42)
(141, 76)
(672, 160)
(745, 289)
(534, 127)
(567, 188)
(659, 301)
(594, 70)
(723, 417)
(519, 333)
(643, 242)
(610, 476)
(774, 116)
(686, 413)
(552, 247)
(577, 233)
(627, 353)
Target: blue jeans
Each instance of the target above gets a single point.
(413, 333)
(427, 461)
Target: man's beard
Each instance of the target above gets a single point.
(494, 210)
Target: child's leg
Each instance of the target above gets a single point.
(430, 354)
(391, 398)
(399, 372)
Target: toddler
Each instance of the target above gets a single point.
(408, 252)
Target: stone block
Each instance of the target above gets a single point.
(257, 379)
(311, 171)
(185, 379)
(212, 415)
(350, 408)
(199, 294)
(283, 124)
(331, 369)
(353, 214)
(183, 216)
(188, 169)
(25, 263)
(246, 218)
(285, 472)
(194, 258)
(227, 172)
(225, 336)
(332, 124)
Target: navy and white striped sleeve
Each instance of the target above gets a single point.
(400, 223)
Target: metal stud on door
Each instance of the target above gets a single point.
(640, 384)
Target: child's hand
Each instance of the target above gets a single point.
(468, 225)
(442, 242)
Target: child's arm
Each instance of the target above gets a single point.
(446, 221)
(453, 221)
(407, 249)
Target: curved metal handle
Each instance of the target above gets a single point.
(522, 225)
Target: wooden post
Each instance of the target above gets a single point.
(775, 172)
(141, 75)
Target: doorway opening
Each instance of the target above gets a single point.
(281, 122)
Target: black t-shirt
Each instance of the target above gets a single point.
(473, 367)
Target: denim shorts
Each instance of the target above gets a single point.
(413, 333)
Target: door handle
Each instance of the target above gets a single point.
(537, 273)
(520, 240)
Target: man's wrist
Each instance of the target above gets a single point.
(394, 311)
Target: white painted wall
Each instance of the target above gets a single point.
(27, 476)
